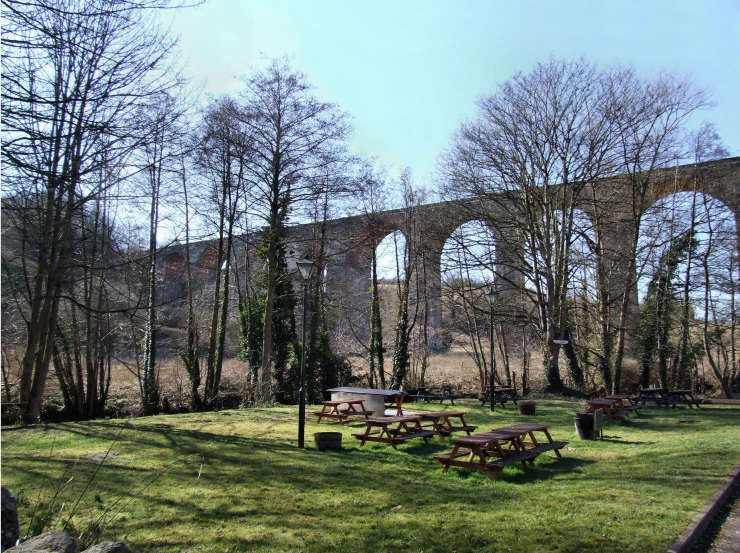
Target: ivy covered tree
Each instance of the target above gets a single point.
(659, 310)
(252, 321)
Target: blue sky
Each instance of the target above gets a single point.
(408, 72)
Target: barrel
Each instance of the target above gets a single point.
(526, 407)
(328, 441)
(585, 426)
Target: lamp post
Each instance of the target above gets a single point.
(306, 268)
(491, 299)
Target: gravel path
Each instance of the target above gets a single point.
(723, 534)
(728, 540)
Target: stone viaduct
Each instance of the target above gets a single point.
(349, 240)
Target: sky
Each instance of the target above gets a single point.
(408, 72)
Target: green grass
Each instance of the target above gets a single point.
(237, 482)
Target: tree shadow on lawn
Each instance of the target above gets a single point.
(274, 459)
(259, 487)
(670, 421)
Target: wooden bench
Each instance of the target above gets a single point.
(524, 457)
(444, 457)
(361, 435)
(614, 415)
(425, 434)
(331, 409)
(441, 422)
(626, 403)
(467, 429)
(548, 446)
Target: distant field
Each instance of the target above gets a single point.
(237, 482)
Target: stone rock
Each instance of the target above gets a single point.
(49, 542)
(109, 547)
(10, 531)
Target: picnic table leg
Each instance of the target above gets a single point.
(439, 428)
(532, 437)
(489, 472)
(390, 435)
(362, 408)
(519, 447)
(367, 433)
(448, 464)
(547, 433)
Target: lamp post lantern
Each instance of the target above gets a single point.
(491, 299)
(306, 268)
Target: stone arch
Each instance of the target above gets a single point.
(671, 216)
(719, 179)
(469, 253)
(390, 251)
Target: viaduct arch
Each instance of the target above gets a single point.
(349, 240)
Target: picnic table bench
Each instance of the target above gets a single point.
(502, 394)
(393, 430)
(428, 394)
(487, 451)
(331, 409)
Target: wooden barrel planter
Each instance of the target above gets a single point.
(328, 441)
(526, 407)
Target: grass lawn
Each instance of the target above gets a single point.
(237, 482)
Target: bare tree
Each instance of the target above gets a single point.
(371, 200)
(650, 118)
(222, 155)
(535, 145)
(74, 74)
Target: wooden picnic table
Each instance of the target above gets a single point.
(441, 424)
(625, 402)
(393, 430)
(610, 407)
(529, 429)
(656, 395)
(502, 394)
(428, 394)
(503, 446)
(331, 409)
(680, 397)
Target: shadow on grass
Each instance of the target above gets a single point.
(268, 494)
